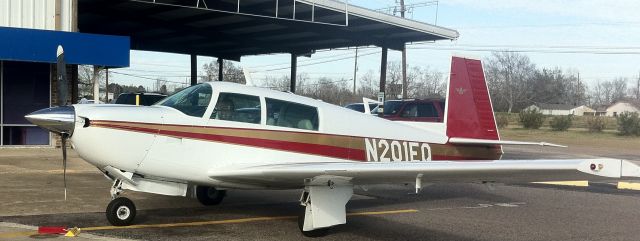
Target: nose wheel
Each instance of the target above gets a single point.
(121, 212)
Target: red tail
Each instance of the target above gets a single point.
(469, 109)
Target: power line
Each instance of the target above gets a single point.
(321, 62)
(550, 25)
(529, 46)
(306, 60)
(155, 71)
(147, 78)
(531, 50)
(312, 84)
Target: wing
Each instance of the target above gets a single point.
(359, 173)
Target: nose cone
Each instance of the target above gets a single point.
(56, 119)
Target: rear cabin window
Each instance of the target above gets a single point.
(292, 115)
(237, 107)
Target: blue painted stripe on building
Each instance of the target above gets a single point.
(31, 45)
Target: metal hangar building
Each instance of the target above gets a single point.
(102, 33)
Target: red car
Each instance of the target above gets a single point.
(427, 110)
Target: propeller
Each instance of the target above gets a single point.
(62, 101)
(60, 119)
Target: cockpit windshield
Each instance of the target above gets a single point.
(192, 101)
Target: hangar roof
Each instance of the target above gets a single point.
(234, 28)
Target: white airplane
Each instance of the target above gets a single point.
(217, 136)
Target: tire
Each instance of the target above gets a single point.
(121, 212)
(321, 232)
(210, 196)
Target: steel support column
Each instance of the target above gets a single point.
(383, 70)
(194, 69)
(220, 69)
(383, 79)
(294, 70)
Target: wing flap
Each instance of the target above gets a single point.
(503, 171)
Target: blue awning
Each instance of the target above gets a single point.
(31, 45)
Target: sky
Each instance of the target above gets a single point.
(599, 39)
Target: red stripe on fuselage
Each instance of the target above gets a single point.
(298, 147)
(305, 148)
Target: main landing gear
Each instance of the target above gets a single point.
(210, 196)
(121, 211)
(323, 205)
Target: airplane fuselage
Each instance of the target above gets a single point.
(160, 141)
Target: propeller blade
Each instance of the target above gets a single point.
(61, 69)
(64, 162)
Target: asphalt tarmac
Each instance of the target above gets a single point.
(31, 195)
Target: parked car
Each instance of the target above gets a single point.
(360, 107)
(427, 110)
(146, 99)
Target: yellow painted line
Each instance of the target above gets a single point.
(202, 223)
(629, 185)
(17, 234)
(567, 183)
(171, 225)
(383, 212)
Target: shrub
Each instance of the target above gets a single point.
(629, 123)
(596, 123)
(502, 120)
(560, 123)
(531, 119)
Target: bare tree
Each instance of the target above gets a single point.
(230, 72)
(393, 87)
(508, 76)
(619, 89)
(607, 92)
(369, 86)
(425, 83)
(86, 75)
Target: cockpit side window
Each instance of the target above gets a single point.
(237, 107)
(191, 101)
(292, 115)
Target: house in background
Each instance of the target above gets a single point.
(622, 106)
(599, 110)
(561, 109)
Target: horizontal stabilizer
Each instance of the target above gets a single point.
(471, 141)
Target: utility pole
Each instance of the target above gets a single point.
(404, 58)
(355, 71)
(96, 84)
(638, 87)
(106, 87)
(576, 94)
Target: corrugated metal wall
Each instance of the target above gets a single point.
(35, 14)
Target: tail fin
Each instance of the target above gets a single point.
(469, 112)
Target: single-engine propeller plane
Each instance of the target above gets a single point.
(216, 136)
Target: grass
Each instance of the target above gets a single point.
(573, 137)
(577, 121)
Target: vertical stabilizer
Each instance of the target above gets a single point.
(469, 111)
